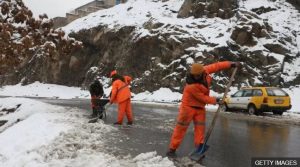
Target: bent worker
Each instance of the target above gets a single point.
(192, 108)
(96, 91)
(121, 94)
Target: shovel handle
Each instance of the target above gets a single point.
(211, 127)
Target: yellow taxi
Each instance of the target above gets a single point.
(259, 99)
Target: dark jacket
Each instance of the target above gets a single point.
(96, 89)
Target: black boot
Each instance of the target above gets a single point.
(100, 112)
(95, 114)
(129, 123)
(171, 153)
(117, 123)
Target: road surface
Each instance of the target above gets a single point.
(235, 139)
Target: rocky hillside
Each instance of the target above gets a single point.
(155, 41)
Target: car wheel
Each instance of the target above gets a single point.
(252, 109)
(277, 112)
(225, 107)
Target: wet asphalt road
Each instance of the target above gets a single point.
(233, 142)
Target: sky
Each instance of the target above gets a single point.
(53, 8)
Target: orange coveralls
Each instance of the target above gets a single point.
(120, 94)
(195, 97)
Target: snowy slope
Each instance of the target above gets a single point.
(58, 136)
(285, 21)
(137, 13)
(209, 32)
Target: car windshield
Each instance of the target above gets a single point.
(276, 92)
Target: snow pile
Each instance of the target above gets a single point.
(295, 98)
(38, 89)
(37, 127)
(58, 136)
(83, 145)
(161, 95)
(152, 160)
(14, 110)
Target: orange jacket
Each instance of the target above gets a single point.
(119, 92)
(196, 94)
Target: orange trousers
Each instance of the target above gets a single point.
(125, 108)
(186, 115)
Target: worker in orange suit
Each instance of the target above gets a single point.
(195, 97)
(121, 94)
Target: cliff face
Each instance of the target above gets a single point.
(147, 40)
(210, 8)
(145, 58)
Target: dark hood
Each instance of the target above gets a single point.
(191, 80)
(117, 77)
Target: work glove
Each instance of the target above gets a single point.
(236, 64)
(219, 100)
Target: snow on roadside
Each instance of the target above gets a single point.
(151, 159)
(298, 42)
(58, 136)
(24, 108)
(163, 95)
(295, 98)
(36, 127)
(38, 89)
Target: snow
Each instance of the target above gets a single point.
(59, 136)
(161, 95)
(190, 60)
(295, 98)
(152, 160)
(27, 108)
(137, 13)
(37, 127)
(285, 21)
(298, 42)
(119, 15)
(38, 89)
(256, 4)
(39, 134)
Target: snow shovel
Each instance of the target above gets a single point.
(100, 103)
(198, 153)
